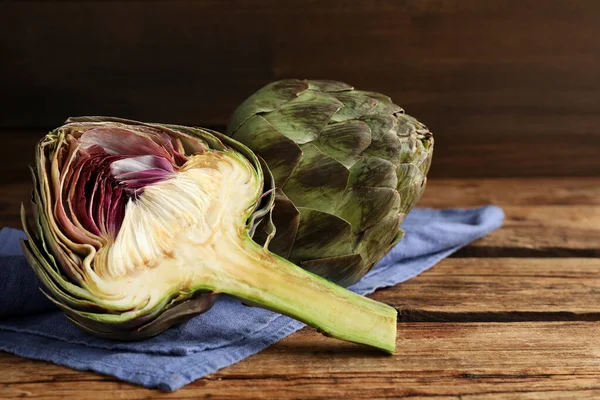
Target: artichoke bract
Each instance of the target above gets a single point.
(348, 166)
(136, 226)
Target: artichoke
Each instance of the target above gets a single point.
(348, 166)
(136, 226)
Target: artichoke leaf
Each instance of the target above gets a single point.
(281, 153)
(286, 219)
(356, 105)
(303, 118)
(336, 241)
(267, 99)
(343, 269)
(318, 181)
(345, 141)
(365, 206)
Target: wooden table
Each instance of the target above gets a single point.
(516, 314)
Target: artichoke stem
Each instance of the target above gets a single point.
(266, 280)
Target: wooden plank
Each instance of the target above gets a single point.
(499, 104)
(543, 231)
(544, 217)
(442, 193)
(433, 360)
(500, 289)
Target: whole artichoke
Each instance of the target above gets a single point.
(137, 226)
(348, 166)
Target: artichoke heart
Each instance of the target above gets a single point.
(195, 216)
(136, 227)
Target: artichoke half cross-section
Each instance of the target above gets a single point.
(348, 166)
(135, 227)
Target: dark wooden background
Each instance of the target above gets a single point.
(510, 88)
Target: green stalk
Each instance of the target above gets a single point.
(269, 281)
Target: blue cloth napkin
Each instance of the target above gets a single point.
(30, 326)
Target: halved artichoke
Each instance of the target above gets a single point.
(136, 227)
(348, 165)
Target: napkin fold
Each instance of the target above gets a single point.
(31, 326)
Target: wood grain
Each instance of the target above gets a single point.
(510, 88)
(544, 217)
(434, 360)
(569, 191)
(500, 289)
(543, 231)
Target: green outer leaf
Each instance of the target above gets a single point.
(317, 182)
(407, 125)
(385, 105)
(62, 289)
(364, 206)
(411, 185)
(344, 270)
(173, 314)
(280, 153)
(267, 99)
(286, 218)
(389, 147)
(377, 240)
(344, 141)
(303, 118)
(373, 172)
(356, 105)
(336, 241)
(380, 125)
(264, 208)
